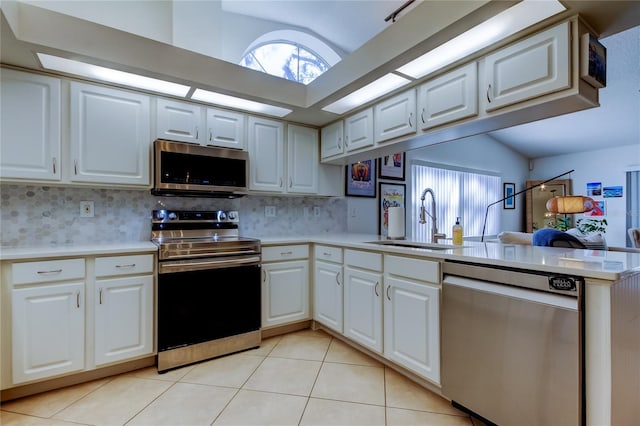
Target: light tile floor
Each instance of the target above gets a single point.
(303, 378)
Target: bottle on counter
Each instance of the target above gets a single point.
(457, 232)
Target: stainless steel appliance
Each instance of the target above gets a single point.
(208, 286)
(512, 344)
(183, 169)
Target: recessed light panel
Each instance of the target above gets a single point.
(239, 103)
(367, 93)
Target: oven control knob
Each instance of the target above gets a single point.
(232, 215)
(172, 216)
(160, 215)
(222, 215)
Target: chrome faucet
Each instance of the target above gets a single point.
(423, 218)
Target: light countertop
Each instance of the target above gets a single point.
(65, 250)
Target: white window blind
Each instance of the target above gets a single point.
(458, 194)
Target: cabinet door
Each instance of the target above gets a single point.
(448, 98)
(47, 330)
(412, 326)
(358, 130)
(110, 135)
(395, 117)
(266, 155)
(179, 121)
(331, 140)
(123, 318)
(30, 126)
(328, 294)
(226, 129)
(302, 160)
(363, 307)
(531, 68)
(285, 295)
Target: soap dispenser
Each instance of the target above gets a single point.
(457, 232)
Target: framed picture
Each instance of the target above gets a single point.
(392, 166)
(391, 195)
(508, 189)
(593, 63)
(360, 179)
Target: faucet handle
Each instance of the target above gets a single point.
(437, 236)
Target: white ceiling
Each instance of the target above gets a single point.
(357, 28)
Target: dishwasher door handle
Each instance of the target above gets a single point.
(557, 300)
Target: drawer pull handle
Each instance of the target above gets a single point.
(286, 253)
(375, 289)
(51, 272)
(130, 265)
(326, 254)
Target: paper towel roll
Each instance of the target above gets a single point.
(395, 224)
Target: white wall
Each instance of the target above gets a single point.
(608, 166)
(480, 152)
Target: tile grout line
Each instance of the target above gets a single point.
(315, 380)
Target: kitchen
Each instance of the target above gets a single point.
(123, 215)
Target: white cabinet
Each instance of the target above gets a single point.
(331, 140)
(123, 308)
(48, 319)
(363, 298)
(226, 129)
(358, 130)
(533, 67)
(327, 287)
(395, 117)
(412, 314)
(450, 97)
(285, 280)
(266, 155)
(302, 160)
(30, 126)
(179, 121)
(110, 136)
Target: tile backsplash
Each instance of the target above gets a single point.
(33, 215)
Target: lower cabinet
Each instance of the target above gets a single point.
(285, 285)
(363, 298)
(52, 309)
(412, 315)
(48, 324)
(327, 287)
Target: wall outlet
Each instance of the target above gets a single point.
(86, 208)
(270, 211)
(316, 211)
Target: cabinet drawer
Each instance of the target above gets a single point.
(124, 265)
(278, 253)
(329, 254)
(417, 269)
(45, 271)
(363, 259)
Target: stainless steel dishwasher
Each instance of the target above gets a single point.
(512, 344)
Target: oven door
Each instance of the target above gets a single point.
(201, 300)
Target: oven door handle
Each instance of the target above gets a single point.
(190, 265)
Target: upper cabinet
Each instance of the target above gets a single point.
(30, 126)
(525, 70)
(332, 140)
(358, 130)
(266, 155)
(226, 129)
(395, 117)
(448, 98)
(179, 121)
(110, 135)
(302, 160)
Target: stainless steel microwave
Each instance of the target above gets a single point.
(188, 170)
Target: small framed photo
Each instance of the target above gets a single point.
(392, 166)
(391, 195)
(508, 189)
(360, 179)
(593, 61)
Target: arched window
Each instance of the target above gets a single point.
(275, 54)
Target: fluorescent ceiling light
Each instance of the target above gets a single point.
(367, 93)
(106, 74)
(502, 25)
(239, 103)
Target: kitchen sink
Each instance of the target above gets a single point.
(414, 244)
